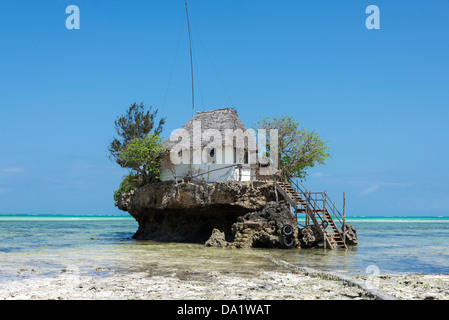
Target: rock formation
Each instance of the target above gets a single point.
(350, 234)
(309, 237)
(188, 212)
(217, 239)
(221, 214)
(266, 228)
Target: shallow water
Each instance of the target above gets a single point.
(392, 245)
(49, 245)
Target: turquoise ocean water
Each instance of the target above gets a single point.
(47, 244)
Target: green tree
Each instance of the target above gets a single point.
(135, 123)
(144, 156)
(298, 148)
(137, 147)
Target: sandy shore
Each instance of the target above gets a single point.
(289, 284)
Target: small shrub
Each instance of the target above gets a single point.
(129, 183)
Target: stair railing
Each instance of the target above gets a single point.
(318, 201)
(333, 211)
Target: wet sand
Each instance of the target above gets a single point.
(285, 283)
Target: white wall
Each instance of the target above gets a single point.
(223, 171)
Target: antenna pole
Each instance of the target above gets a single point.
(191, 61)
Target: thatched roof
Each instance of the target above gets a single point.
(220, 119)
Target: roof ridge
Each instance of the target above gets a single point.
(219, 119)
(221, 109)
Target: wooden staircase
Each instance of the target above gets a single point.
(318, 207)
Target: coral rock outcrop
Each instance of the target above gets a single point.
(188, 212)
(220, 214)
(265, 228)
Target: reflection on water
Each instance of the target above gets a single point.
(49, 246)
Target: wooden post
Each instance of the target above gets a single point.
(324, 202)
(307, 207)
(251, 176)
(324, 208)
(276, 189)
(276, 192)
(324, 235)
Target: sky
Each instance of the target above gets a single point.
(379, 96)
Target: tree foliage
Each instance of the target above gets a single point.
(138, 147)
(144, 156)
(135, 123)
(130, 182)
(298, 148)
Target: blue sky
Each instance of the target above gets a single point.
(380, 97)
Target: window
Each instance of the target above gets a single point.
(212, 156)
